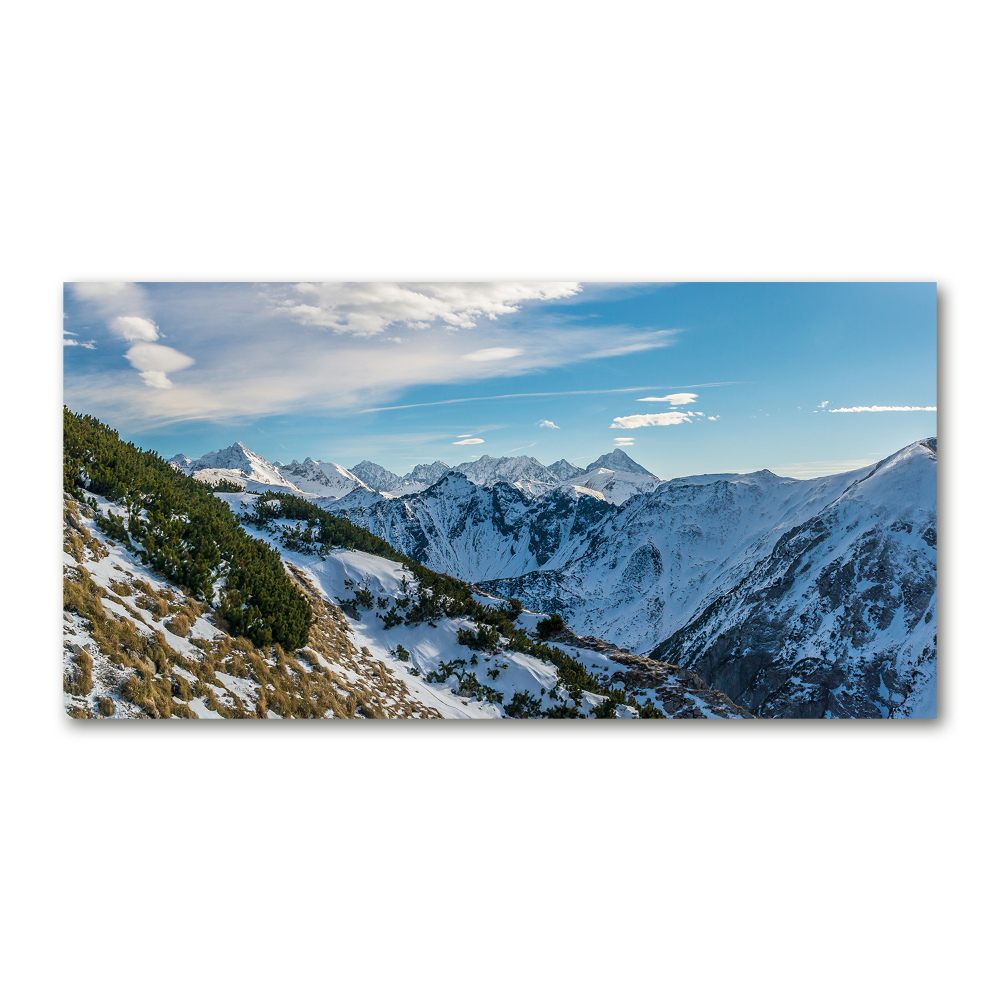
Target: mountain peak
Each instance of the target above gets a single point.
(618, 461)
(564, 470)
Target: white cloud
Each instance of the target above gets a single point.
(652, 420)
(883, 409)
(69, 340)
(676, 399)
(156, 380)
(134, 328)
(367, 308)
(716, 417)
(624, 442)
(824, 404)
(493, 354)
(469, 441)
(153, 361)
(111, 298)
(547, 423)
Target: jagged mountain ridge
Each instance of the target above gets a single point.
(314, 478)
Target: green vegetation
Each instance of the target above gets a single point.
(548, 627)
(184, 532)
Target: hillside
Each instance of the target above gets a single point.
(385, 637)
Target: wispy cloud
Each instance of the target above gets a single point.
(469, 440)
(493, 354)
(652, 420)
(675, 399)
(883, 409)
(506, 395)
(624, 442)
(649, 342)
(547, 423)
(824, 404)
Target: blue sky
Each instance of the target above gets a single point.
(687, 378)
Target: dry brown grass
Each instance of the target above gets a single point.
(106, 707)
(180, 624)
(82, 681)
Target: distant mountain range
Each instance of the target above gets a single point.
(613, 477)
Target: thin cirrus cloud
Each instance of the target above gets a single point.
(884, 409)
(547, 423)
(469, 440)
(674, 399)
(653, 420)
(624, 442)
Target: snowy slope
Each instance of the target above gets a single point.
(614, 486)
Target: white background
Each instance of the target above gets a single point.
(456, 140)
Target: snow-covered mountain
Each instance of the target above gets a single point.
(618, 461)
(322, 479)
(237, 463)
(428, 474)
(488, 471)
(564, 470)
(839, 618)
(377, 478)
(478, 532)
